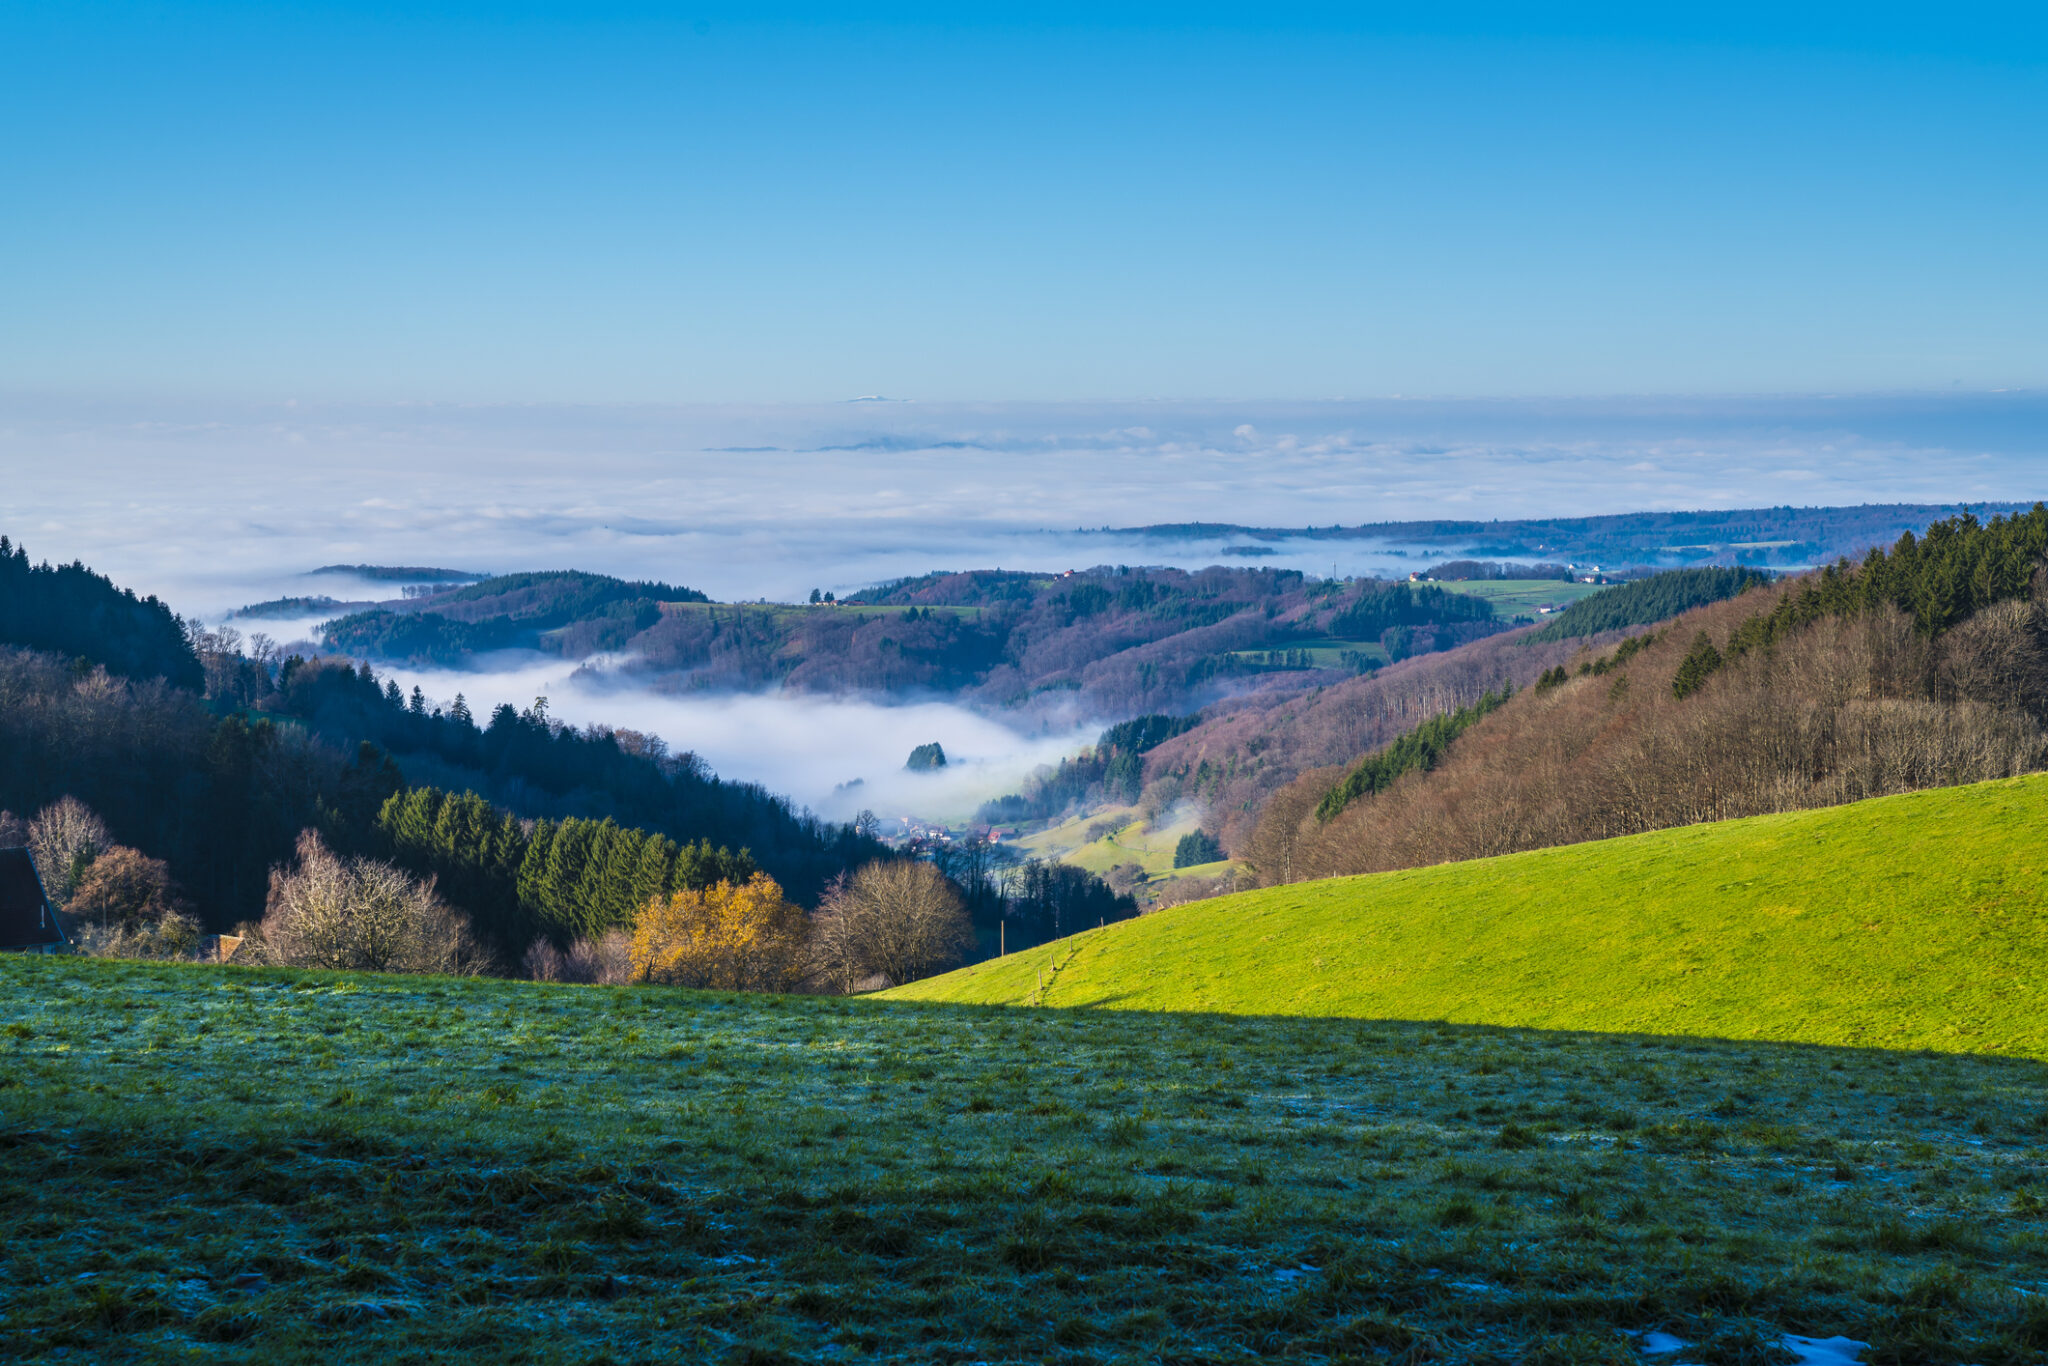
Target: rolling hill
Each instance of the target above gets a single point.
(1902, 922)
(1110, 640)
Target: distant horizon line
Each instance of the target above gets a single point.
(299, 401)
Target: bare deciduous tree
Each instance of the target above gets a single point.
(901, 920)
(64, 839)
(331, 912)
(1839, 710)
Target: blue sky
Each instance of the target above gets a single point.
(614, 203)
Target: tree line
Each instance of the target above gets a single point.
(540, 836)
(71, 611)
(1127, 639)
(519, 880)
(1656, 598)
(533, 765)
(214, 760)
(506, 610)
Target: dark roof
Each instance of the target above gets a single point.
(26, 920)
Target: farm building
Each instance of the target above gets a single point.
(28, 922)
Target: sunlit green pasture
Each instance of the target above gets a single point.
(1915, 921)
(256, 1165)
(1126, 838)
(1521, 597)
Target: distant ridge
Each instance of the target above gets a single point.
(1780, 536)
(396, 573)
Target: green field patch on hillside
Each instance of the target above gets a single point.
(1521, 597)
(1125, 838)
(785, 612)
(1914, 921)
(257, 1165)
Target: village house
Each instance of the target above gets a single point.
(28, 922)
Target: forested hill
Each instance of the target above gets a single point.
(535, 766)
(71, 611)
(1755, 536)
(1646, 601)
(1113, 640)
(214, 761)
(564, 610)
(1922, 666)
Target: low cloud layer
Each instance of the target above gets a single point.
(217, 507)
(214, 508)
(809, 748)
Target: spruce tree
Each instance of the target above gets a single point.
(1699, 662)
(531, 880)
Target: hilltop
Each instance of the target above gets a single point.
(1901, 922)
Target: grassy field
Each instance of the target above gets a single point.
(260, 1165)
(785, 614)
(1906, 922)
(1521, 597)
(1132, 841)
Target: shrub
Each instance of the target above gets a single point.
(604, 961)
(124, 890)
(126, 906)
(331, 912)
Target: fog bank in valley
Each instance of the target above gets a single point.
(809, 748)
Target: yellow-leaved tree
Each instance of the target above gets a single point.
(733, 937)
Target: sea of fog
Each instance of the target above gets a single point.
(835, 755)
(216, 506)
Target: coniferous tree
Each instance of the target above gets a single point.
(1699, 662)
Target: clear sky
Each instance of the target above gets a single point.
(596, 202)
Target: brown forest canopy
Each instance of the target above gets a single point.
(1113, 640)
(1922, 666)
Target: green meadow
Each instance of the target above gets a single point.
(1906, 922)
(265, 1165)
(1129, 839)
(1521, 597)
(1726, 1082)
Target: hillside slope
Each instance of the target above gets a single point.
(1912, 921)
